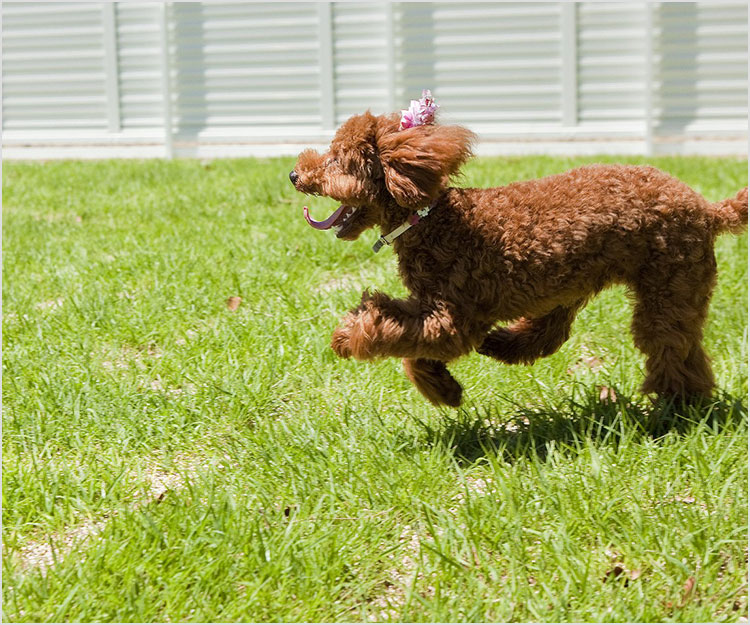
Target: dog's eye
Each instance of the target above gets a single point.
(331, 161)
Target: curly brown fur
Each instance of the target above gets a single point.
(531, 253)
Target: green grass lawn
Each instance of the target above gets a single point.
(167, 457)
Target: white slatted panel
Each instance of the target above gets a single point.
(139, 50)
(291, 71)
(53, 66)
(238, 65)
(611, 62)
(702, 59)
(360, 58)
(487, 63)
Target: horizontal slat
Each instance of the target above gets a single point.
(80, 117)
(218, 49)
(201, 121)
(50, 35)
(61, 54)
(496, 11)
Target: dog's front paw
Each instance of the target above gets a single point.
(340, 341)
(355, 337)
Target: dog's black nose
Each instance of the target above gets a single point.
(293, 176)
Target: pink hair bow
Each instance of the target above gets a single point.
(420, 112)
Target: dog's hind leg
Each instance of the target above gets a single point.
(528, 339)
(434, 381)
(667, 327)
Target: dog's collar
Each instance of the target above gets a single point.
(413, 220)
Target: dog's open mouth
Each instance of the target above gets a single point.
(336, 222)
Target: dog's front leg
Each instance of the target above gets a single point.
(412, 328)
(434, 381)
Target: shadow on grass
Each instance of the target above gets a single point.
(524, 431)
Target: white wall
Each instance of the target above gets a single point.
(230, 79)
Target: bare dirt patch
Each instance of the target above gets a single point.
(45, 553)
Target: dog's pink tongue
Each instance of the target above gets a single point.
(326, 223)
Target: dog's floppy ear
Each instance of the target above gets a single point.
(418, 162)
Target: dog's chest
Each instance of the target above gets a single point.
(429, 265)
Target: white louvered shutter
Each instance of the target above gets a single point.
(274, 72)
(53, 67)
(488, 64)
(245, 66)
(611, 64)
(701, 59)
(139, 48)
(360, 58)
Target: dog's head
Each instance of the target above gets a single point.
(380, 173)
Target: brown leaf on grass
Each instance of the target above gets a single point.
(689, 586)
(233, 303)
(607, 394)
(687, 591)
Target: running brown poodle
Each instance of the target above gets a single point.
(530, 253)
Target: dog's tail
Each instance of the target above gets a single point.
(730, 215)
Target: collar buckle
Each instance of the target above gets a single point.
(413, 220)
(379, 244)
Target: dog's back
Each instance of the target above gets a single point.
(604, 223)
(628, 198)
